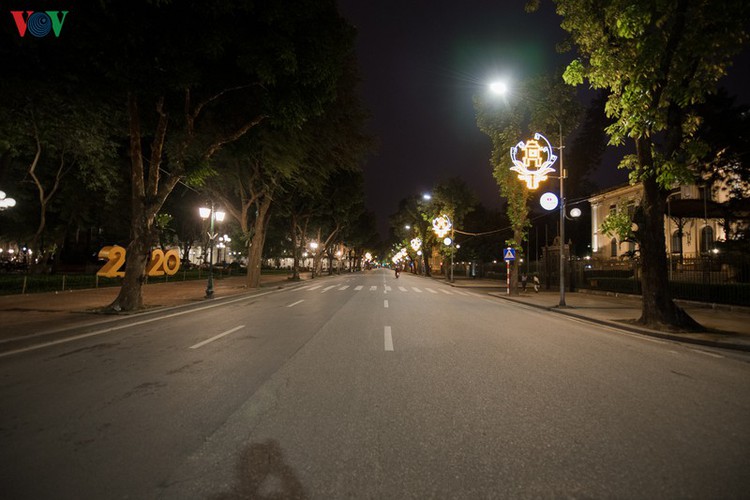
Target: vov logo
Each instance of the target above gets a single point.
(39, 24)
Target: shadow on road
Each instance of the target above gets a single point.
(262, 474)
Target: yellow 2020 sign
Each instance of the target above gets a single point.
(159, 264)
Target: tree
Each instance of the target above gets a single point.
(417, 213)
(54, 137)
(657, 59)
(282, 159)
(725, 165)
(191, 78)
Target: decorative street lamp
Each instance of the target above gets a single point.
(211, 214)
(313, 251)
(538, 166)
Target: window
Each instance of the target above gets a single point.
(676, 242)
(707, 239)
(613, 248)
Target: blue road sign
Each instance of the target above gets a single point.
(510, 254)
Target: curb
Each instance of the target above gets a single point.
(632, 329)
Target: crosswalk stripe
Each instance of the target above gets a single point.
(459, 293)
(313, 288)
(358, 288)
(344, 287)
(416, 289)
(403, 289)
(430, 290)
(387, 288)
(373, 287)
(328, 288)
(446, 292)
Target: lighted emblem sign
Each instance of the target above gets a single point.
(441, 225)
(533, 160)
(416, 244)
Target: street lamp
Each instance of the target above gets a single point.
(314, 251)
(501, 88)
(211, 214)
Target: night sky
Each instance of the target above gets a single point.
(422, 61)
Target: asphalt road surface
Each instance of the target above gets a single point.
(367, 386)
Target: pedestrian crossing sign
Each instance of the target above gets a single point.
(510, 254)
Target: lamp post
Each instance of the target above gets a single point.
(314, 252)
(211, 214)
(501, 89)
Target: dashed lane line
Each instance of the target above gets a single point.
(388, 338)
(217, 337)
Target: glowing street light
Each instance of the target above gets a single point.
(6, 202)
(218, 216)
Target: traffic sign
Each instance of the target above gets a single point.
(510, 254)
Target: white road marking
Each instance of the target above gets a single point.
(403, 289)
(295, 303)
(344, 287)
(358, 288)
(387, 288)
(216, 337)
(373, 287)
(416, 289)
(313, 288)
(388, 339)
(328, 288)
(385, 304)
(712, 354)
(430, 290)
(446, 292)
(459, 293)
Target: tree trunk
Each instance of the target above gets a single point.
(255, 255)
(658, 309)
(146, 199)
(426, 252)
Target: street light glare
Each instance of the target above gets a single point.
(499, 88)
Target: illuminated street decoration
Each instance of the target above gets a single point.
(401, 255)
(368, 256)
(535, 162)
(159, 264)
(441, 225)
(416, 244)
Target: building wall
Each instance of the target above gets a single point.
(607, 247)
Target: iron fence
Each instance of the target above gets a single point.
(708, 279)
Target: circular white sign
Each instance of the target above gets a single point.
(548, 201)
(576, 212)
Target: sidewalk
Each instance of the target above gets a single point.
(728, 327)
(34, 314)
